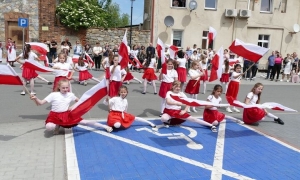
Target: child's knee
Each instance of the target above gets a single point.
(117, 125)
(50, 126)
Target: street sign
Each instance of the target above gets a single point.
(23, 22)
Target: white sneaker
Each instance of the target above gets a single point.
(56, 130)
(281, 80)
(33, 93)
(235, 109)
(239, 121)
(228, 110)
(105, 102)
(287, 81)
(85, 83)
(23, 93)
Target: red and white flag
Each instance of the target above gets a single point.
(173, 51)
(137, 63)
(267, 105)
(89, 59)
(39, 47)
(32, 64)
(233, 62)
(123, 52)
(217, 64)
(195, 102)
(75, 58)
(160, 46)
(212, 33)
(89, 99)
(45, 59)
(249, 51)
(9, 76)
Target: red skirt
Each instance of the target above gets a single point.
(224, 77)
(181, 74)
(114, 87)
(128, 76)
(107, 73)
(205, 75)
(233, 89)
(212, 115)
(175, 113)
(149, 74)
(63, 119)
(164, 88)
(116, 116)
(56, 80)
(84, 75)
(191, 88)
(28, 73)
(252, 115)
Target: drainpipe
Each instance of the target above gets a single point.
(152, 21)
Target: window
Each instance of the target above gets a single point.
(266, 6)
(178, 3)
(204, 40)
(263, 40)
(210, 4)
(283, 6)
(177, 38)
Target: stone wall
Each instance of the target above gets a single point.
(29, 7)
(115, 36)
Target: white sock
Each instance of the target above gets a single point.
(163, 104)
(272, 116)
(95, 79)
(154, 87)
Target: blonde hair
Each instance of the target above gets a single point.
(175, 84)
(59, 83)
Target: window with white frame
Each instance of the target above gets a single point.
(177, 38)
(204, 40)
(210, 4)
(266, 5)
(178, 3)
(263, 40)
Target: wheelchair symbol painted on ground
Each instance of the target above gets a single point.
(172, 136)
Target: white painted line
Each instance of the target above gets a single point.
(219, 153)
(71, 157)
(272, 138)
(167, 154)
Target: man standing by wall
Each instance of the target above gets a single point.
(53, 50)
(271, 62)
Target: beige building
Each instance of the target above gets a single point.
(268, 23)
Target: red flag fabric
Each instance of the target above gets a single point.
(217, 63)
(249, 51)
(45, 59)
(89, 99)
(32, 64)
(160, 46)
(233, 62)
(89, 59)
(137, 63)
(212, 33)
(39, 47)
(123, 52)
(195, 102)
(267, 105)
(173, 51)
(9, 76)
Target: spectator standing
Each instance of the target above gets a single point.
(115, 50)
(11, 52)
(98, 51)
(142, 56)
(188, 53)
(151, 49)
(246, 66)
(277, 67)
(287, 67)
(296, 60)
(53, 50)
(271, 61)
(89, 50)
(68, 44)
(0, 52)
(77, 48)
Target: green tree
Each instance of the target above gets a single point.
(83, 13)
(114, 18)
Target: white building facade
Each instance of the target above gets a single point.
(267, 23)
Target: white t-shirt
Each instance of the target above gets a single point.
(81, 68)
(64, 47)
(169, 77)
(193, 72)
(152, 63)
(253, 97)
(195, 57)
(118, 104)
(60, 102)
(117, 75)
(106, 60)
(168, 96)
(182, 62)
(63, 69)
(214, 100)
(97, 50)
(31, 56)
(134, 53)
(238, 79)
(203, 65)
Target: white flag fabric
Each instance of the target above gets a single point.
(8, 75)
(195, 102)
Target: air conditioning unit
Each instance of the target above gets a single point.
(230, 12)
(245, 13)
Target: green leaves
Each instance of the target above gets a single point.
(78, 14)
